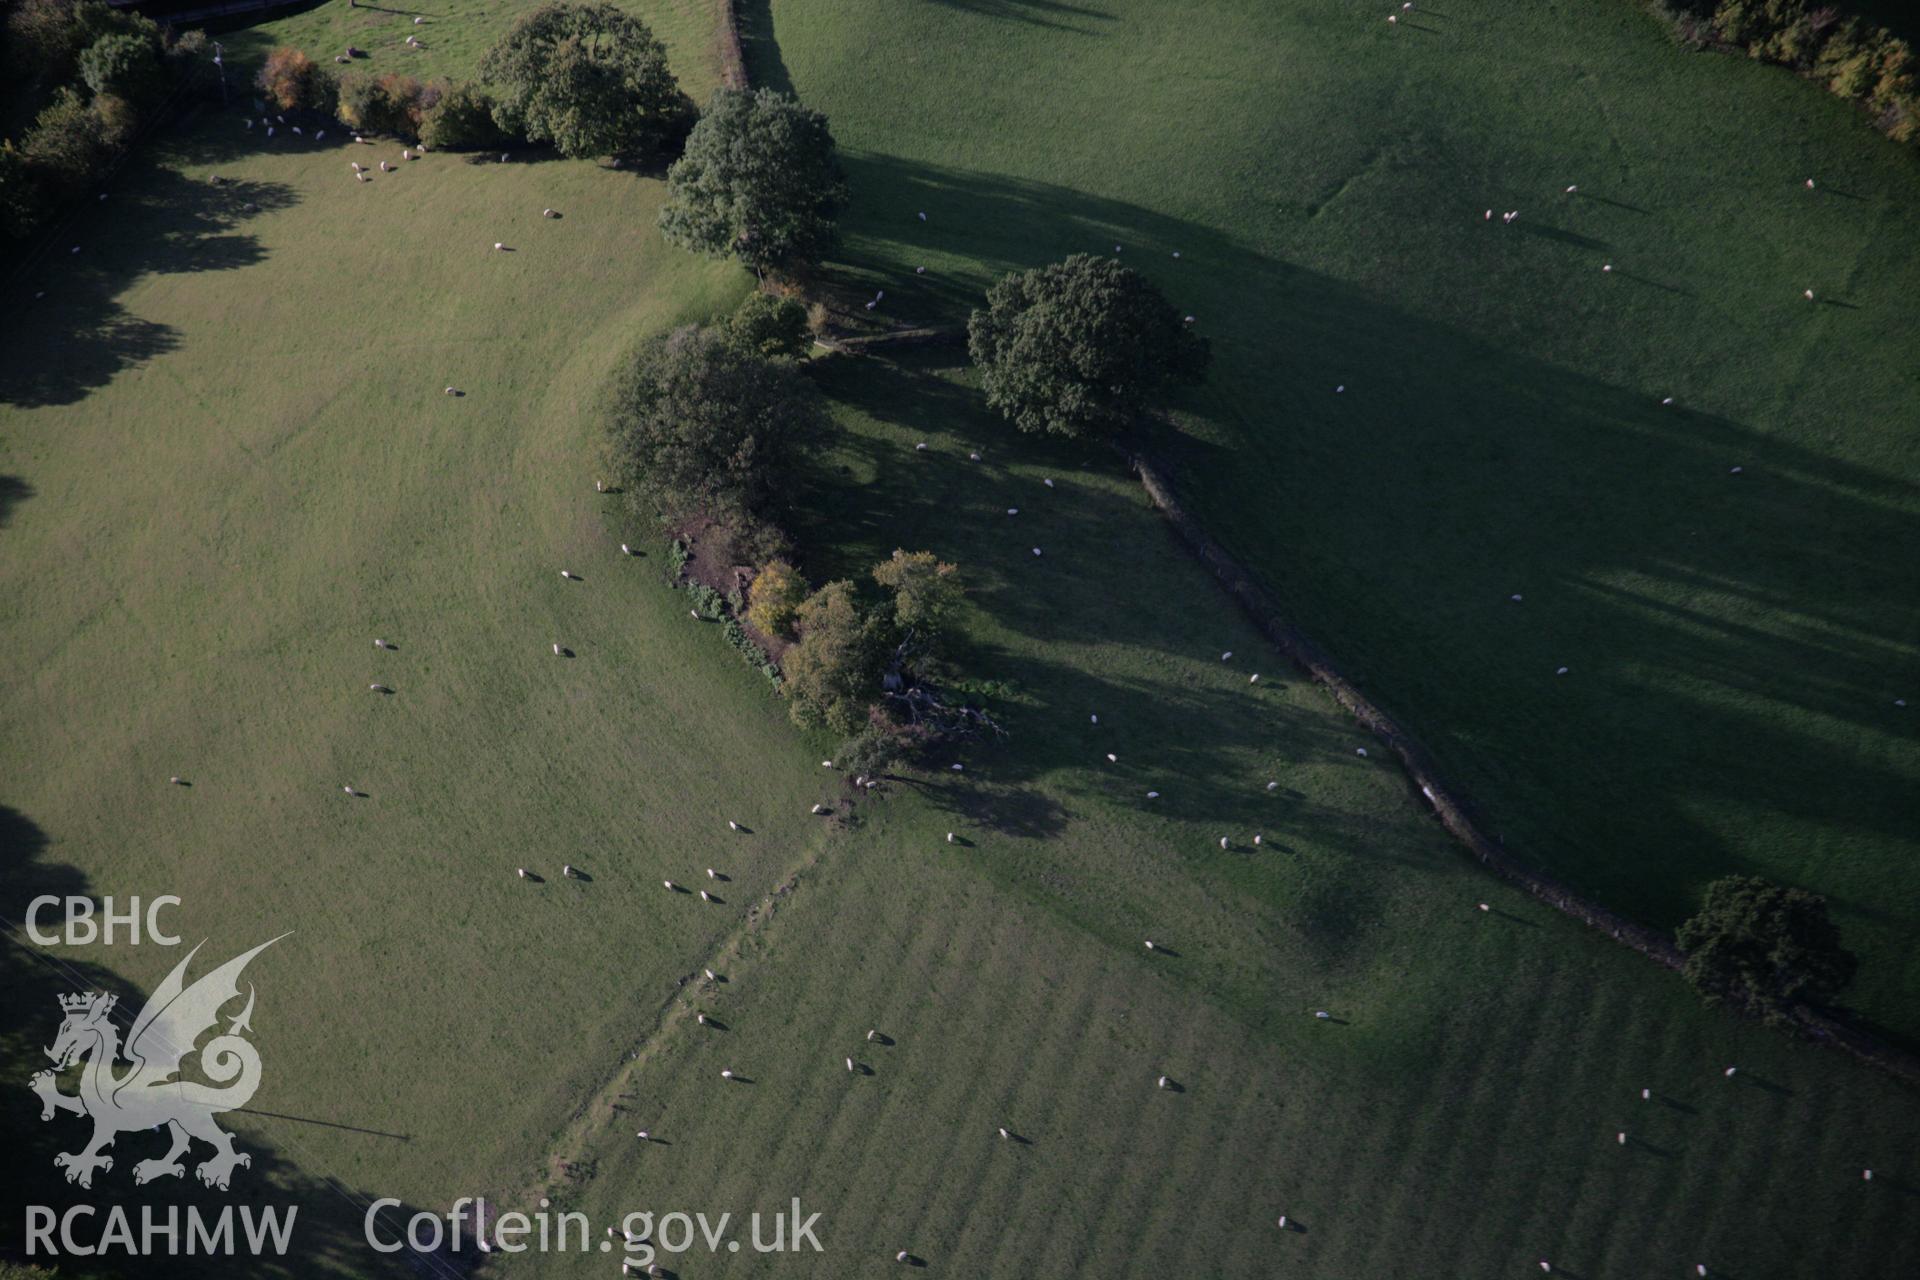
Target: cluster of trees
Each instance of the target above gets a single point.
(88, 77)
(587, 79)
(1853, 56)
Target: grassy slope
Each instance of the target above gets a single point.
(1736, 643)
(458, 33)
(228, 432)
(1459, 1120)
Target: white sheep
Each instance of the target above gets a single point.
(732, 825)
(849, 1064)
(361, 177)
(1036, 551)
(1003, 1132)
(297, 129)
(177, 780)
(1164, 1082)
(568, 574)
(1731, 1071)
(625, 550)
(645, 1135)
(1150, 945)
(1273, 786)
(556, 651)
(1254, 678)
(1047, 483)
(1153, 795)
(705, 896)
(1223, 842)
(498, 246)
(379, 688)
(1112, 758)
(903, 1255)
(711, 975)
(385, 167)
(872, 1032)
(819, 808)
(1322, 1014)
(726, 1075)
(1621, 1137)
(548, 213)
(700, 1018)
(671, 886)
(566, 869)
(522, 871)
(1256, 841)
(381, 644)
(1227, 655)
(949, 837)
(1093, 719)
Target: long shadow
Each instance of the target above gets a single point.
(80, 337)
(1728, 633)
(13, 491)
(327, 1235)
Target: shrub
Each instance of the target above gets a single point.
(1079, 347)
(589, 78)
(778, 592)
(388, 103)
(189, 64)
(833, 672)
(925, 591)
(22, 197)
(461, 119)
(126, 66)
(771, 326)
(698, 424)
(1764, 948)
(759, 181)
(293, 82)
(70, 143)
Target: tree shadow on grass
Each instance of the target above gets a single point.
(327, 1235)
(1727, 634)
(80, 336)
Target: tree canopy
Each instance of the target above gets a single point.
(833, 674)
(1080, 347)
(758, 180)
(591, 79)
(1764, 947)
(925, 591)
(772, 326)
(699, 423)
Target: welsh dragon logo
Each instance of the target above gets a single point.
(150, 1094)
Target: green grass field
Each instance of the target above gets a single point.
(228, 464)
(1736, 642)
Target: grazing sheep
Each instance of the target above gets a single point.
(548, 213)
(381, 644)
(1227, 655)
(498, 246)
(556, 651)
(872, 1032)
(1256, 841)
(1809, 184)
(1731, 1071)
(1283, 1222)
(522, 871)
(849, 1064)
(1621, 1137)
(503, 157)
(732, 825)
(1153, 795)
(1606, 267)
(1003, 1132)
(700, 1018)
(318, 136)
(1047, 483)
(177, 780)
(949, 837)
(645, 1135)
(1572, 189)
(694, 614)
(1866, 1175)
(566, 869)
(1150, 945)
(385, 167)
(919, 448)
(296, 129)
(1485, 906)
(671, 886)
(355, 165)
(625, 550)
(360, 177)
(1667, 400)
(819, 808)
(1036, 551)
(973, 457)
(1322, 1014)
(1112, 758)
(406, 155)
(1361, 752)
(249, 124)
(347, 787)
(1254, 678)
(711, 975)
(1808, 295)
(379, 688)
(1013, 511)
(726, 1075)
(903, 1255)
(1646, 1095)
(705, 896)
(568, 574)
(923, 215)
(1093, 719)
(1562, 671)
(1223, 842)
(269, 131)
(1164, 1082)
(957, 768)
